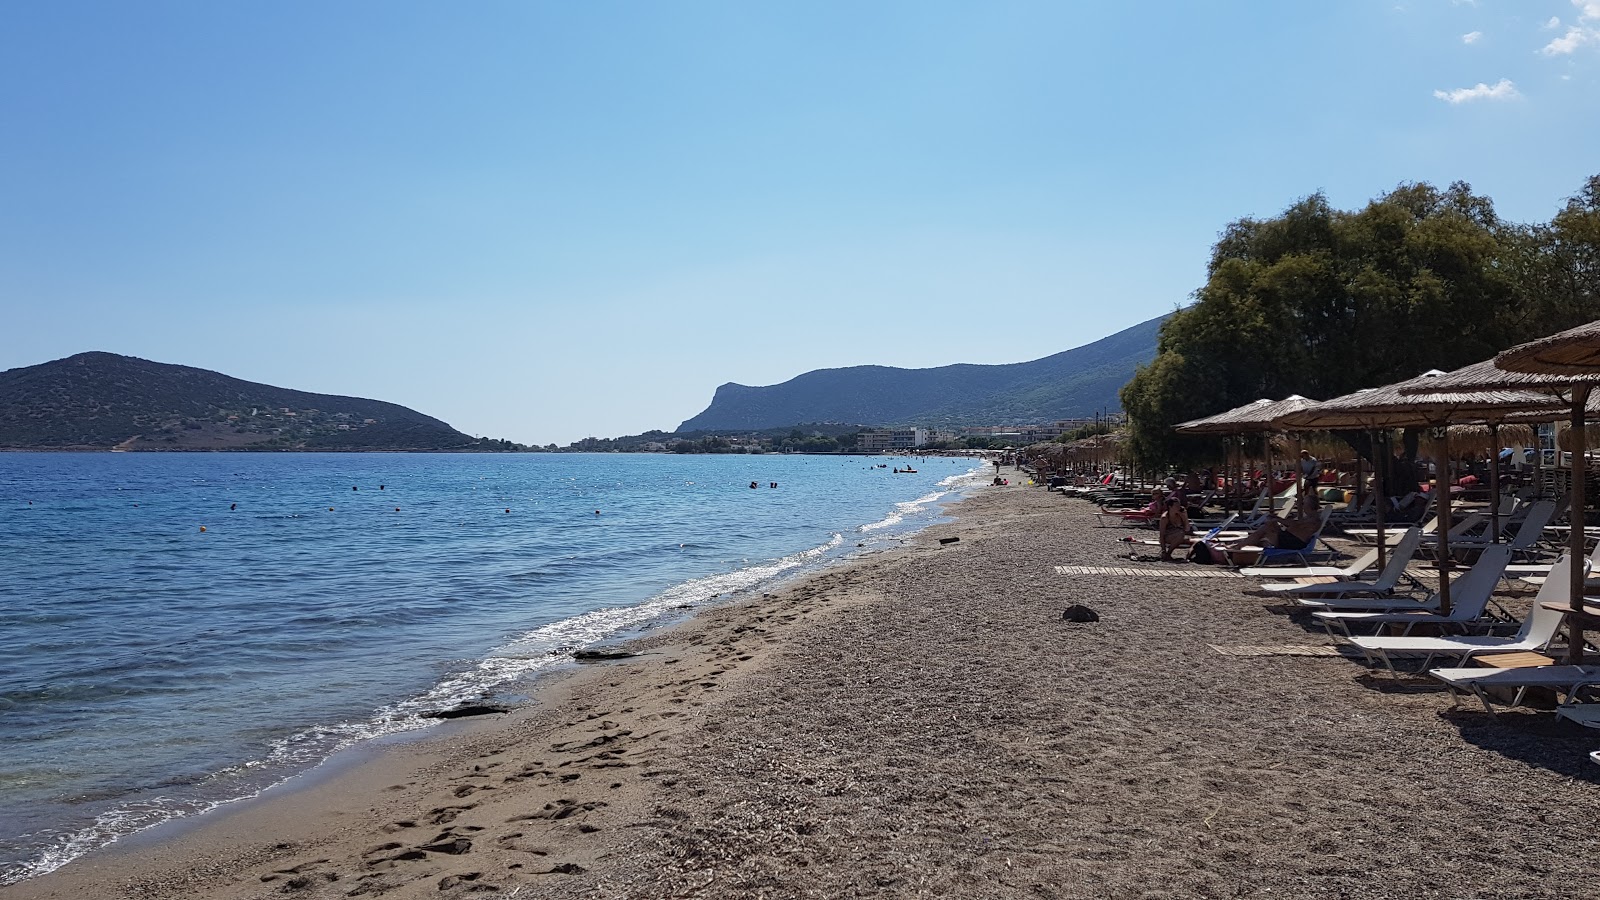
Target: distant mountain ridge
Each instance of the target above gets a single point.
(103, 401)
(1071, 384)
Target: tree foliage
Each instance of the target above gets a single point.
(1323, 302)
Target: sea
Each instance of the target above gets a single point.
(179, 631)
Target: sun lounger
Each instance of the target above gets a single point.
(1357, 566)
(1382, 586)
(1469, 595)
(1585, 714)
(1266, 555)
(1536, 632)
(1478, 680)
(1527, 537)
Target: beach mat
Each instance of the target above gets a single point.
(1186, 572)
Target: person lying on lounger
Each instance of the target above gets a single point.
(1294, 533)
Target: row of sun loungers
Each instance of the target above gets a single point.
(1380, 613)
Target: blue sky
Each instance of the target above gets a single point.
(544, 220)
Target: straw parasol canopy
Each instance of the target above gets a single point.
(1482, 438)
(1415, 402)
(1255, 416)
(1566, 364)
(1574, 352)
(1411, 403)
(1222, 422)
(1489, 376)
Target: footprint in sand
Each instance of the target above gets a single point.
(444, 815)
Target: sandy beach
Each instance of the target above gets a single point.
(922, 722)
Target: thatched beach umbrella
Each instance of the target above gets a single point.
(1564, 365)
(1256, 417)
(1410, 404)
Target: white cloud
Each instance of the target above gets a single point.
(1576, 36)
(1471, 37)
(1503, 90)
(1587, 9)
(1555, 22)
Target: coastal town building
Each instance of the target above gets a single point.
(877, 440)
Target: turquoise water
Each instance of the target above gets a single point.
(151, 669)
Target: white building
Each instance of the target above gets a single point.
(879, 440)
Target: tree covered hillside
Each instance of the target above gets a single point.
(106, 401)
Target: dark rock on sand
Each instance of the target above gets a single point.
(602, 653)
(462, 712)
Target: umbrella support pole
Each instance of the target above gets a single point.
(1441, 484)
(1494, 480)
(1380, 455)
(1580, 452)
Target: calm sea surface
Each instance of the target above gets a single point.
(180, 630)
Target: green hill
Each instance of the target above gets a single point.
(1071, 384)
(102, 401)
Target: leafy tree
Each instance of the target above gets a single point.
(1323, 302)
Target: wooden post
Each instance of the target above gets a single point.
(1441, 485)
(1580, 452)
(1380, 459)
(1494, 480)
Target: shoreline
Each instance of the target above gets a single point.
(534, 689)
(920, 721)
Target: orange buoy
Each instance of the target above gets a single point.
(202, 528)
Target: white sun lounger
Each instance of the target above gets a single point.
(1478, 680)
(1537, 630)
(1469, 595)
(1357, 566)
(1385, 583)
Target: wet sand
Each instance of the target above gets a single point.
(923, 723)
